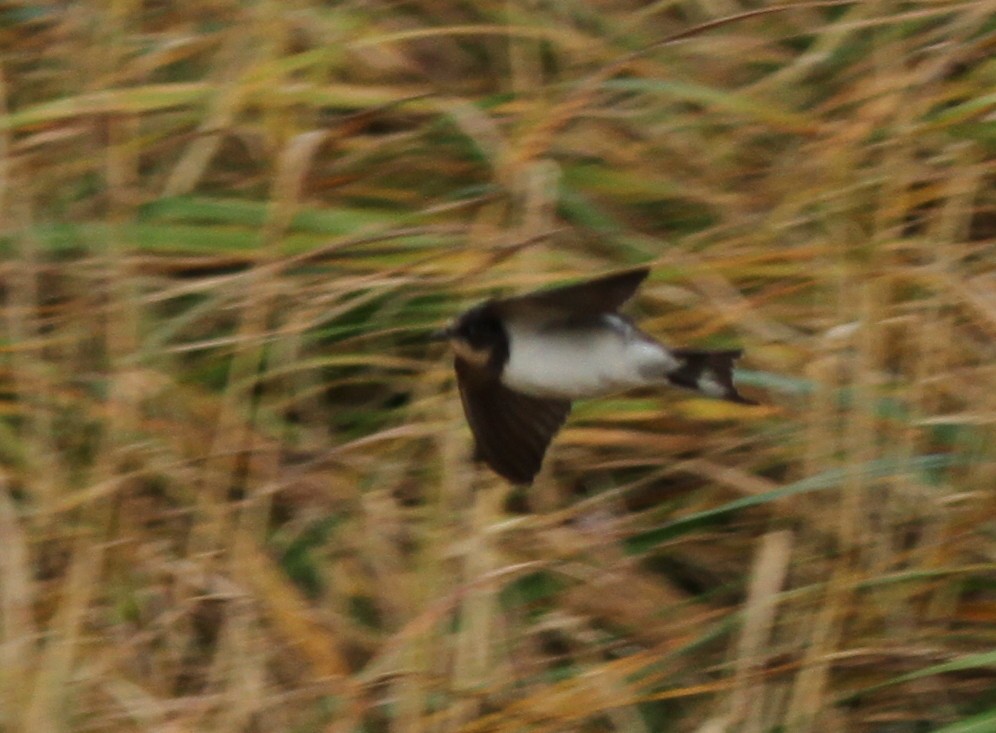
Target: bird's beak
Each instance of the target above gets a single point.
(442, 334)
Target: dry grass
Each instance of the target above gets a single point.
(235, 491)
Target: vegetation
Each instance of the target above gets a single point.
(235, 484)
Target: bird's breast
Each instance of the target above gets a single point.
(582, 360)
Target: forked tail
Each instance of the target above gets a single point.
(708, 372)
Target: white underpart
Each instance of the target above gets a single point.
(583, 361)
(709, 386)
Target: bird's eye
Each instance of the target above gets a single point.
(479, 332)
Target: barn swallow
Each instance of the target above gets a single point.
(521, 361)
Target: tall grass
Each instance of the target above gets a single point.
(235, 481)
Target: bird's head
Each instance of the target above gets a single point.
(476, 336)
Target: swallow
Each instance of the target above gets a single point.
(521, 361)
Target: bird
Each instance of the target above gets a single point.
(521, 361)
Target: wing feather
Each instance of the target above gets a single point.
(511, 430)
(589, 298)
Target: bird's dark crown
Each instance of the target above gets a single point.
(480, 328)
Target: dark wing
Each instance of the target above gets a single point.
(511, 430)
(588, 298)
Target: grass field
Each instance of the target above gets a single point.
(236, 491)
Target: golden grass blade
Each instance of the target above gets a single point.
(238, 490)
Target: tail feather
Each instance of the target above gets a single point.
(708, 372)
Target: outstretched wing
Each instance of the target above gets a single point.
(511, 430)
(588, 298)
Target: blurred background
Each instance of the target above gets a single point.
(235, 482)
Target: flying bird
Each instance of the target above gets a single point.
(521, 361)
